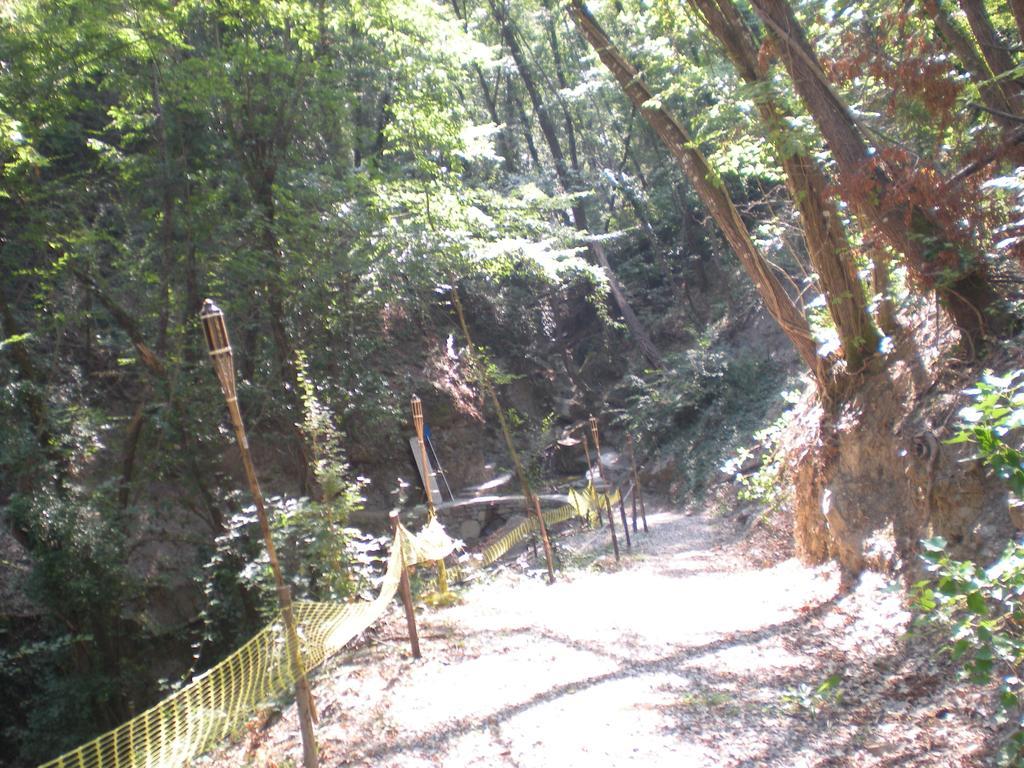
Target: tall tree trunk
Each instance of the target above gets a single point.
(158, 368)
(34, 399)
(514, 103)
(563, 84)
(131, 446)
(827, 244)
(996, 96)
(911, 229)
(565, 179)
(167, 215)
(996, 52)
(504, 143)
(1017, 7)
(284, 350)
(708, 187)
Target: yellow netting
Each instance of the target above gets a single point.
(587, 504)
(217, 702)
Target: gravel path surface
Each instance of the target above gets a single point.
(685, 655)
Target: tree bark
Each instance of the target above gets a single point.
(708, 187)
(524, 121)
(827, 244)
(504, 143)
(285, 351)
(156, 366)
(1017, 7)
(38, 414)
(568, 183)
(995, 50)
(995, 95)
(131, 446)
(911, 229)
(886, 311)
(167, 215)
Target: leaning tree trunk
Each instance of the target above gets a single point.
(996, 96)
(157, 367)
(708, 187)
(1017, 7)
(910, 228)
(827, 245)
(995, 50)
(567, 181)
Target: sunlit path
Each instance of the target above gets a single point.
(687, 656)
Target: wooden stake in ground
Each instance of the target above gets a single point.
(406, 592)
(637, 493)
(223, 363)
(625, 526)
(417, 420)
(634, 505)
(590, 475)
(531, 501)
(600, 469)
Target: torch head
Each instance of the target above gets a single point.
(219, 345)
(216, 331)
(417, 412)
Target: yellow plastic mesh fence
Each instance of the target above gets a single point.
(587, 504)
(217, 702)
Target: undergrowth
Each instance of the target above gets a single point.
(979, 609)
(701, 408)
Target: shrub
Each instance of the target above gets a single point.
(979, 609)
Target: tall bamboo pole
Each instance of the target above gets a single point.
(417, 420)
(223, 363)
(590, 476)
(532, 503)
(590, 464)
(638, 492)
(600, 469)
(597, 448)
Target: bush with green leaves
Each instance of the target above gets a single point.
(989, 424)
(980, 612)
(978, 608)
(764, 486)
(698, 394)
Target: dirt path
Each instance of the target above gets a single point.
(687, 655)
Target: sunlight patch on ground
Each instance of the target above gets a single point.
(523, 673)
(767, 655)
(620, 722)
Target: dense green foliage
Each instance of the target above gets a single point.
(980, 607)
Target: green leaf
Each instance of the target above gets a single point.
(976, 603)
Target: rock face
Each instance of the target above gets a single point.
(879, 477)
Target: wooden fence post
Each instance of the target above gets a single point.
(406, 591)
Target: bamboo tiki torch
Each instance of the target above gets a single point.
(590, 472)
(529, 498)
(417, 420)
(223, 363)
(600, 469)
